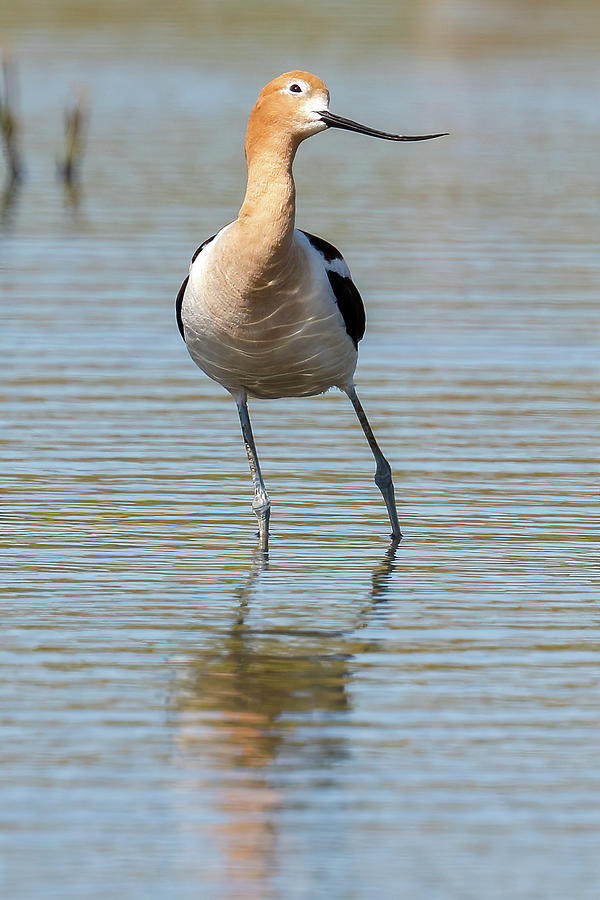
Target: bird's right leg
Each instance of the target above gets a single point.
(261, 503)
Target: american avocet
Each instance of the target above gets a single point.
(270, 311)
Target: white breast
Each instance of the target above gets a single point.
(286, 340)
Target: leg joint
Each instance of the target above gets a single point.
(261, 505)
(383, 474)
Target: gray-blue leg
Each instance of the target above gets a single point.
(383, 472)
(261, 503)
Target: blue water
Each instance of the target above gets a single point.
(181, 717)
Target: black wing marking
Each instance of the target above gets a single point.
(349, 304)
(345, 291)
(180, 295)
(178, 305)
(327, 250)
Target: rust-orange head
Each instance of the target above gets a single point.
(295, 106)
(287, 111)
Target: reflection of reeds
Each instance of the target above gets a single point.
(76, 121)
(9, 122)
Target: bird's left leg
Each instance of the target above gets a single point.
(383, 472)
(261, 503)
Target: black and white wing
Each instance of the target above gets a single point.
(346, 293)
(181, 294)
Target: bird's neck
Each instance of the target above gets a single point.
(267, 215)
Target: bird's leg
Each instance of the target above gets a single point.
(383, 472)
(261, 503)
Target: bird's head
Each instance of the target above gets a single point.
(295, 106)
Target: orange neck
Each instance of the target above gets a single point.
(269, 207)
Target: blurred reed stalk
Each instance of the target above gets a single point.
(76, 123)
(9, 121)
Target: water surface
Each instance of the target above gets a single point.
(182, 718)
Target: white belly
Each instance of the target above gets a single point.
(287, 341)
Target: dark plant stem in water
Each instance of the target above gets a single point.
(9, 123)
(76, 122)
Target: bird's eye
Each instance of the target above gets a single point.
(295, 88)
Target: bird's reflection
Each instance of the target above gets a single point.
(258, 681)
(380, 579)
(247, 708)
(380, 584)
(258, 564)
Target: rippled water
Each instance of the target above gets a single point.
(181, 718)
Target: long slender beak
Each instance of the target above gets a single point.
(333, 121)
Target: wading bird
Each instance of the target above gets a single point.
(270, 311)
